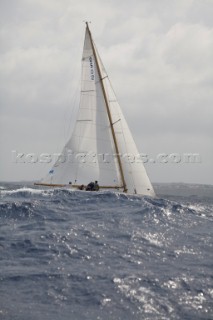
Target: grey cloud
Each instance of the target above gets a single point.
(159, 58)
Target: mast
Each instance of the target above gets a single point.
(108, 112)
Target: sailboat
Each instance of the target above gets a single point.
(101, 146)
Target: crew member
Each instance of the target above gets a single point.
(96, 186)
(90, 186)
(81, 187)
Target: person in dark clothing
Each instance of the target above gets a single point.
(90, 186)
(96, 186)
(81, 187)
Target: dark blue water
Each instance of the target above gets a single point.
(82, 255)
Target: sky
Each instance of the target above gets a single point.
(158, 55)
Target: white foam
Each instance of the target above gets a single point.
(27, 190)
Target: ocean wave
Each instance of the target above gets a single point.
(26, 192)
(159, 208)
(103, 252)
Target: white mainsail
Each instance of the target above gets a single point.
(101, 146)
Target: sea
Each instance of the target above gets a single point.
(79, 255)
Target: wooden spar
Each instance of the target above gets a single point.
(50, 184)
(72, 185)
(108, 111)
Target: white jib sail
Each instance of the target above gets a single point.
(90, 153)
